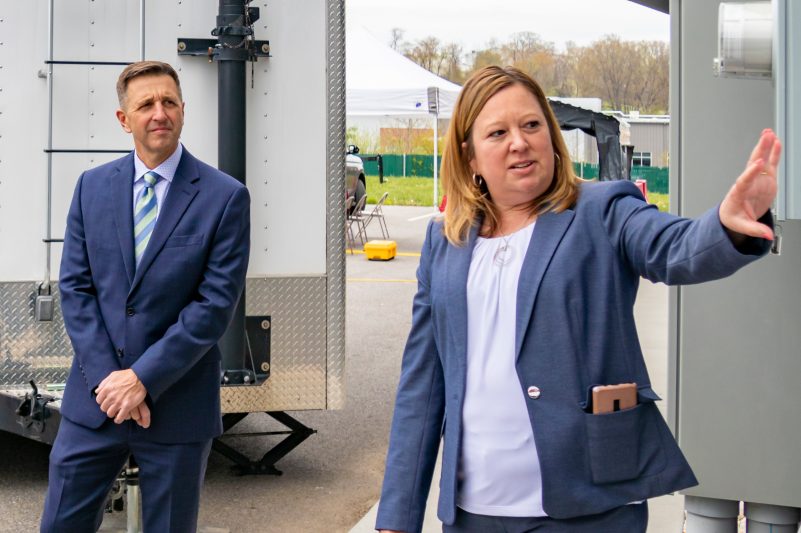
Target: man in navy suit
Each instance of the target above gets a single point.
(154, 261)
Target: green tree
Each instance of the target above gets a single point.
(366, 141)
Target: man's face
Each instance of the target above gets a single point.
(154, 114)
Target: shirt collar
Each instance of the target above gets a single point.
(166, 169)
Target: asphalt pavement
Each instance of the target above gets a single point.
(333, 480)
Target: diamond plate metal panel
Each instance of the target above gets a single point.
(336, 214)
(298, 367)
(29, 349)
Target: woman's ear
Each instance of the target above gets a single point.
(466, 156)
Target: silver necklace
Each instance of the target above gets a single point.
(505, 253)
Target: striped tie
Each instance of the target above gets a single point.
(145, 215)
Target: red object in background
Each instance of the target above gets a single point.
(442, 204)
(643, 186)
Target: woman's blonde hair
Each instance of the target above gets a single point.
(469, 203)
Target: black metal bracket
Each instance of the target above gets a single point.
(257, 338)
(211, 48)
(243, 465)
(234, 32)
(31, 412)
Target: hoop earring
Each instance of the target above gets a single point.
(478, 181)
(558, 159)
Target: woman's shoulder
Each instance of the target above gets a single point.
(604, 192)
(435, 233)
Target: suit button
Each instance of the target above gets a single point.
(533, 392)
(130, 311)
(120, 352)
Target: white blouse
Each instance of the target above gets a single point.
(499, 470)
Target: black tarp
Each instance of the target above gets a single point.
(604, 128)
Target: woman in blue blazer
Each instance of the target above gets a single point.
(525, 303)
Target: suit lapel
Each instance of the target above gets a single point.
(457, 267)
(121, 185)
(547, 234)
(181, 192)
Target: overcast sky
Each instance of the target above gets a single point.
(472, 23)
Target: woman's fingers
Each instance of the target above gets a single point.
(748, 199)
(763, 146)
(775, 154)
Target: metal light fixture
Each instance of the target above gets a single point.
(745, 40)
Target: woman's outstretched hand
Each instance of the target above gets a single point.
(752, 194)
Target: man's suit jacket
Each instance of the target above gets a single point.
(574, 329)
(163, 318)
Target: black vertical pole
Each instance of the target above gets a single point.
(231, 31)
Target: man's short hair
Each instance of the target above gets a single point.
(144, 68)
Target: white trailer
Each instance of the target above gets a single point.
(59, 60)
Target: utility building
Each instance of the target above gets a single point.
(734, 351)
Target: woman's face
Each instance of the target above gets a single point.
(512, 147)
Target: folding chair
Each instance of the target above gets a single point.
(357, 217)
(377, 213)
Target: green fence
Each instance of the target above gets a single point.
(403, 165)
(657, 178)
(422, 166)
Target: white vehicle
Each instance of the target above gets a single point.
(355, 182)
(60, 61)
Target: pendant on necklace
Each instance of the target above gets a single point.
(503, 255)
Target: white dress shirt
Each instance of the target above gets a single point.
(167, 172)
(499, 470)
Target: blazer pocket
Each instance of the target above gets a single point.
(625, 445)
(183, 240)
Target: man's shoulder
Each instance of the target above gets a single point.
(112, 167)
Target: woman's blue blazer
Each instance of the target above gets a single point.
(575, 329)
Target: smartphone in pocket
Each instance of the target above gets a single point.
(611, 398)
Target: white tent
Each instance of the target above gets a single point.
(382, 82)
